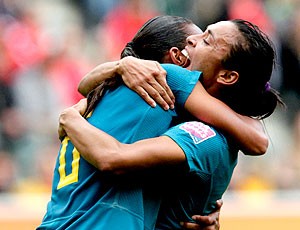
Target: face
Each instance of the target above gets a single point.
(179, 58)
(207, 50)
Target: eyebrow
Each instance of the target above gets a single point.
(211, 34)
(209, 31)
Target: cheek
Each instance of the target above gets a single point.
(204, 65)
(212, 64)
(209, 69)
(199, 62)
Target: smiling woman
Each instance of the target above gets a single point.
(248, 93)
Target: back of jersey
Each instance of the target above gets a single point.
(83, 197)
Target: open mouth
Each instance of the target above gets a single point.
(187, 60)
(185, 53)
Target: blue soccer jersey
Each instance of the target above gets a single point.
(85, 198)
(210, 164)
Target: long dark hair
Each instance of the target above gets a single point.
(152, 42)
(253, 58)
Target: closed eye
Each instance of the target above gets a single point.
(205, 42)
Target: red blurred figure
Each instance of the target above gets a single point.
(121, 24)
(253, 11)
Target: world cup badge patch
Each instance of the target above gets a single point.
(198, 131)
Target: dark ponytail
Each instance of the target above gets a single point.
(129, 51)
(265, 104)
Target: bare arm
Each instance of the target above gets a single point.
(246, 131)
(116, 157)
(97, 75)
(147, 78)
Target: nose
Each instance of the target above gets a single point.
(192, 40)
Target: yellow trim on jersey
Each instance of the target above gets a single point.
(73, 176)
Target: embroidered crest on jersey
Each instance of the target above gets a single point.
(198, 131)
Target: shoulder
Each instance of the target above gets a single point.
(176, 69)
(181, 77)
(203, 146)
(195, 131)
(198, 139)
(181, 81)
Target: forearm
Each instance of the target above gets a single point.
(96, 76)
(250, 135)
(108, 154)
(247, 132)
(95, 146)
(147, 78)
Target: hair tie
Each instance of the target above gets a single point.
(267, 86)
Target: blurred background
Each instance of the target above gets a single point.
(46, 47)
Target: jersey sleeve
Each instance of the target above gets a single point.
(210, 163)
(201, 144)
(181, 81)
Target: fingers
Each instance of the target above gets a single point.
(156, 91)
(205, 220)
(162, 94)
(219, 204)
(152, 96)
(192, 226)
(148, 79)
(166, 92)
(209, 222)
(61, 132)
(195, 226)
(81, 106)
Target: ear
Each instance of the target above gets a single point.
(227, 77)
(178, 58)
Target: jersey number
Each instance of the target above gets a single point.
(64, 179)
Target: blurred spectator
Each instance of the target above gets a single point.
(121, 24)
(6, 104)
(175, 7)
(43, 165)
(206, 12)
(255, 12)
(93, 11)
(290, 56)
(290, 61)
(7, 172)
(38, 104)
(39, 74)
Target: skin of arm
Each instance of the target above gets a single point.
(116, 157)
(97, 75)
(247, 132)
(152, 86)
(137, 74)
